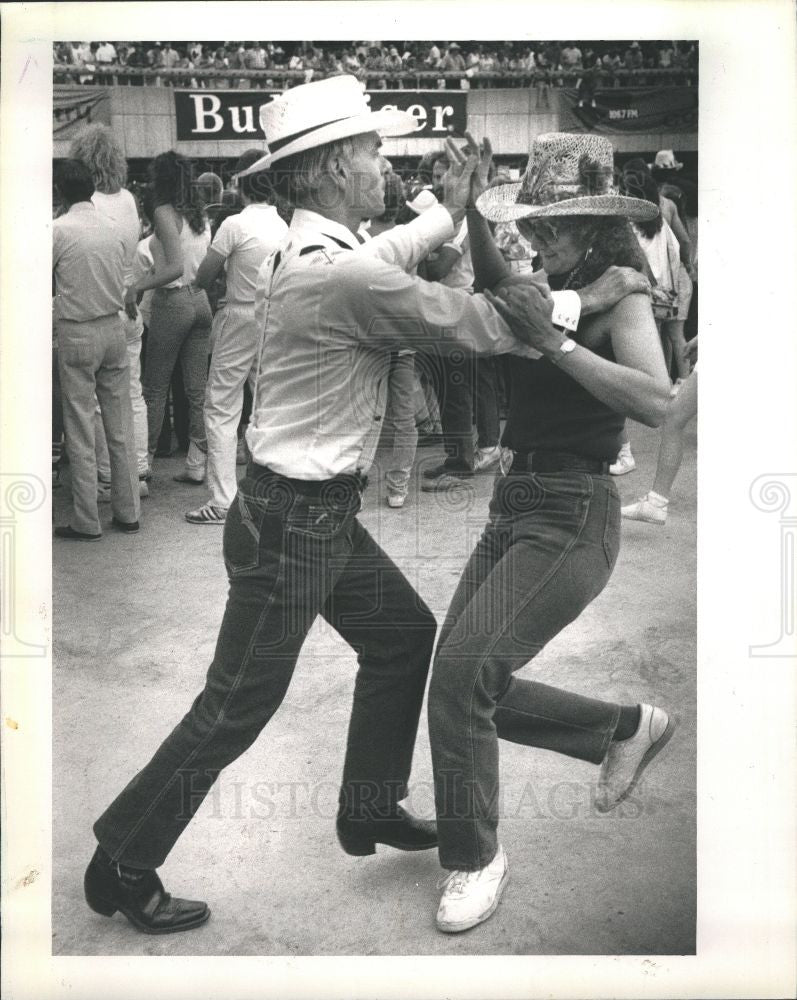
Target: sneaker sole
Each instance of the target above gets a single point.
(650, 754)
(465, 925)
(644, 520)
(191, 520)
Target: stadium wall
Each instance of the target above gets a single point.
(145, 121)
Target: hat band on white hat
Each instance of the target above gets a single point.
(278, 144)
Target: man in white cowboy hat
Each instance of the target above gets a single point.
(331, 310)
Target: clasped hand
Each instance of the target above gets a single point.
(527, 310)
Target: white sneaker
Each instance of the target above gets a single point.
(626, 760)
(485, 457)
(648, 508)
(395, 500)
(625, 463)
(469, 898)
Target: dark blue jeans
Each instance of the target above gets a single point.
(549, 548)
(293, 551)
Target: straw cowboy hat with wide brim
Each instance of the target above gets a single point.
(566, 175)
(314, 114)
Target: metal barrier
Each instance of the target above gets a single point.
(280, 79)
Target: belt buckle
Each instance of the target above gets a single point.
(506, 460)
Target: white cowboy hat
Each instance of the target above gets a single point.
(314, 114)
(665, 160)
(566, 175)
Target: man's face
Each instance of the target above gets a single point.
(438, 172)
(365, 184)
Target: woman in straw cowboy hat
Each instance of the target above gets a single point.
(553, 532)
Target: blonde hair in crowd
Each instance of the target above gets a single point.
(99, 150)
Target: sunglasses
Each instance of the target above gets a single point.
(542, 231)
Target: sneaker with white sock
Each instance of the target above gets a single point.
(469, 898)
(651, 508)
(626, 760)
(208, 513)
(624, 463)
(486, 457)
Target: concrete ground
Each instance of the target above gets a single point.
(136, 619)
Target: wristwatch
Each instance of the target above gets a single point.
(565, 348)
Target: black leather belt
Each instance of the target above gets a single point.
(554, 461)
(354, 482)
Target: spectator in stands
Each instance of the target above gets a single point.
(89, 259)
(106, 53)
(633, 58)
(241, 244)
(98, 149)
(220, 61)
(666, 53)
(257, 57)
(155, 56)
(433, 56)
(570, 57)
(181, 317)
(169, 56)
(393, 61)
(453, 61)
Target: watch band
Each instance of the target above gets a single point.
(566, 347)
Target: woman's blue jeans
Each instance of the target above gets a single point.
(293, 551)
(549, 548)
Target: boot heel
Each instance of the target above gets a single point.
(103, 906)
(358, 847)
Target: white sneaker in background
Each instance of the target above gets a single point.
(469, 898)
(395, 500)
(485, 457)
(625, 463)
(651, 508)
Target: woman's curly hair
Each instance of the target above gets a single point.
(609, 241)
(98, 149)
(172, 181)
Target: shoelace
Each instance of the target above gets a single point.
(454, 883)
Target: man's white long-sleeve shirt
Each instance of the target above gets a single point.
(330, 311)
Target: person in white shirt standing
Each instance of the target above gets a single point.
(97, 148)
(242, 243)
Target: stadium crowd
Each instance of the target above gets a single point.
(465, 64)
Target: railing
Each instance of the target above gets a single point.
(420, 79)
